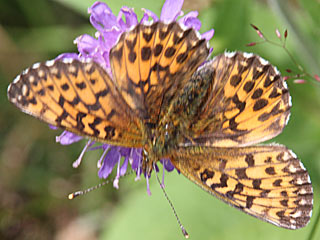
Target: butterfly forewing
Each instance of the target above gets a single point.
(248, 102)
(79, 97)
(152, 62)
(267, 182)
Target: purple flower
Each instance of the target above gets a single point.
(109, 28)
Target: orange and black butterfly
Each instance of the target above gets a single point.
(207, 119)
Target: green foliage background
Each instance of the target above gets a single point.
(36, 173)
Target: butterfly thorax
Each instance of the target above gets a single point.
(174, 127)
(176, 124)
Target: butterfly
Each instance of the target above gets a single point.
(206, 116)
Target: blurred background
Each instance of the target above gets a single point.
(36, 174)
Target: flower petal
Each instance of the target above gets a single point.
(171, 10)
(87, 45)
(130, 16)
(120, 171)
(77, 162)
(207, 35)
(147, 14)
(110, 38)
(116, 183)
(53, 128)
(99, 163)
(67, 138)
(136, 161)
(124, 166)
(109, 162)
(148, 186)
(190, 20)
(116, 180)
(135, 158)
(167, 164)
(102, 17)
(68, 55)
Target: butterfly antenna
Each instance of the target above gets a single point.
(184, 231)
(83, 192)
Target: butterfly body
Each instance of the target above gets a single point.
(173, 128)
(207, 120)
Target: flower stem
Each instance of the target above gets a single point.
(283, 9)
(314, 227)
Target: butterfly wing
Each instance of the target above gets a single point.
(79, 97)
(247, 102)
(152, 62)
(267, 182)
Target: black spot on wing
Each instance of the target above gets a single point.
(206, 174)
(132, 56)
(145, 53)
(257, 93)
(249, 160)
(170, 51)
(241, 173)
(270, 171)
(157, 50)
(259, 104)
(248, 86)
(235, 80)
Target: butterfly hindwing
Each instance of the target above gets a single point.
(76, 96)
(267, 182)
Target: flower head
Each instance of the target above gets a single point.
(109, 27)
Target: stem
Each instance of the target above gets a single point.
(305, 47)
(313, 230)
